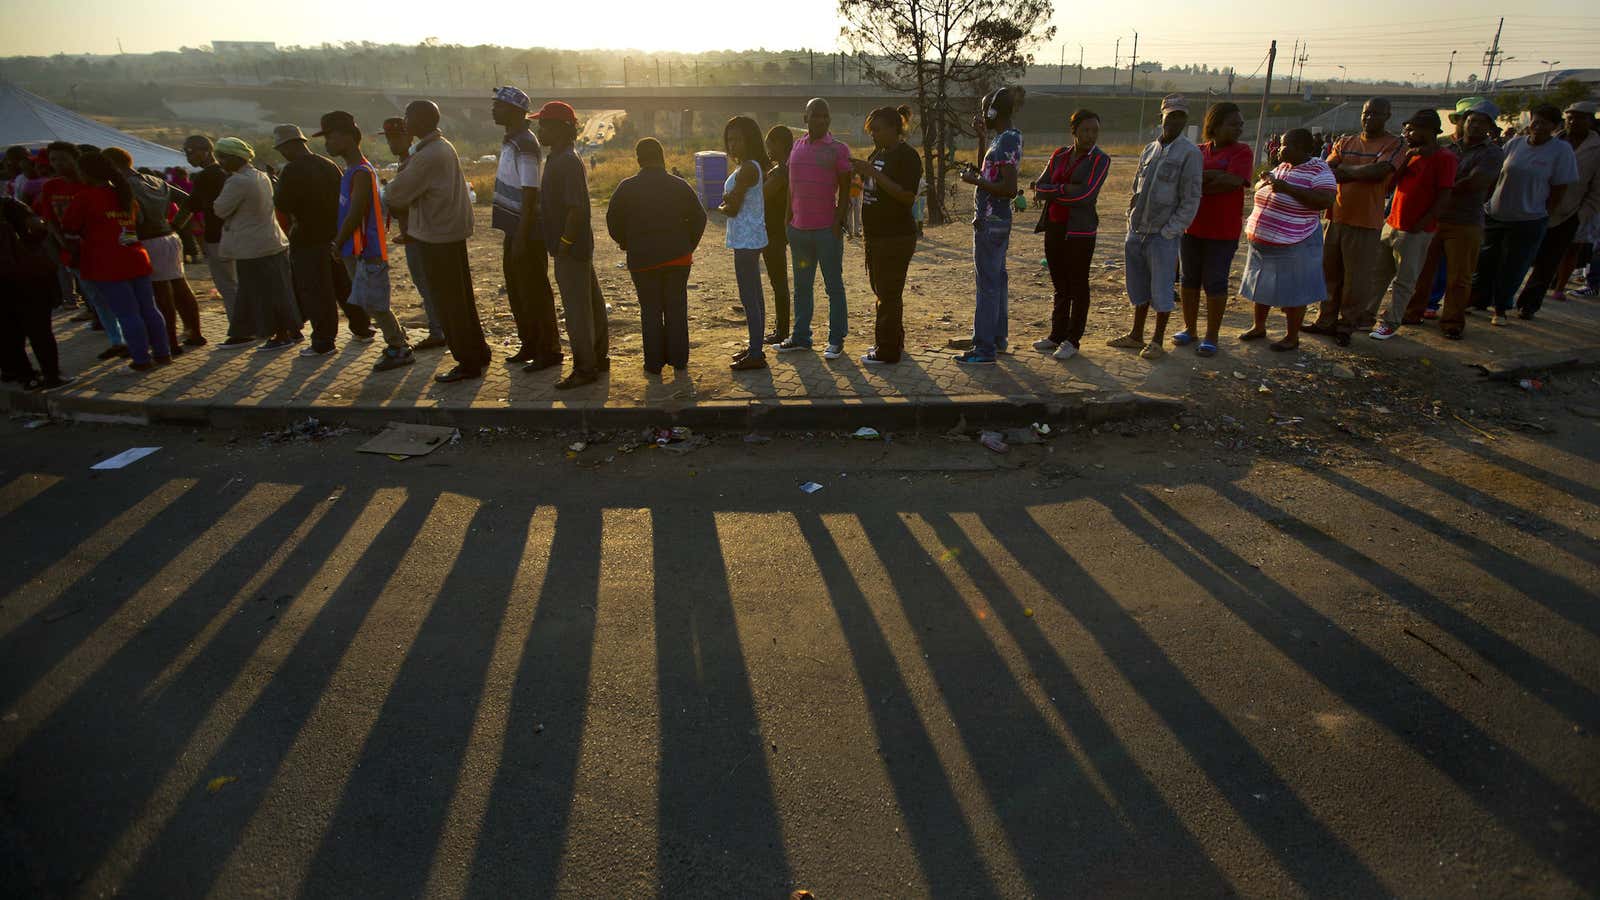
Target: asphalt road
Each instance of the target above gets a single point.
(1109, 666)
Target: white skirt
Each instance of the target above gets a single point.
(166, 257)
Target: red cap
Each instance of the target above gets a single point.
(557, 110)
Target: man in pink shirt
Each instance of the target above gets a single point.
(819, 201)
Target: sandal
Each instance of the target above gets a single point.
(1206, 348)
(1284, 346)
(1254, 334)
(1182, 339)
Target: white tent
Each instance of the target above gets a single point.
(32, 121)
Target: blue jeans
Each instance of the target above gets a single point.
(1507, 255)
(1151, 263)
(108, 319)
(813, 249)
(747, 272)
(133, 302)
(991, 314)
(420, 279)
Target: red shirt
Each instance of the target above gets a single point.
(1417, 185)
(54, 196)
(96, 216)
(1221, 216)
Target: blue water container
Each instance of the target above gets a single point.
(710, 173)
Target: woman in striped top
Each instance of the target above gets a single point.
(1284, 266)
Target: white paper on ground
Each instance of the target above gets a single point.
(131, 455)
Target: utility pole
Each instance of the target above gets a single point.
(1061, 70)
(552, 76)
(1132, 86)
(1450, 71)
(1492, 54)
(1261, 118)
(658, 71)
(813, 55)
(1080, 66)
(1294, 57)
(1116, 65)
(624, 71)
(1230, 82)
(1304, 56)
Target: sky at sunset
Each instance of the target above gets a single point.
(1393, 40)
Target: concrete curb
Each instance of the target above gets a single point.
(931, 414)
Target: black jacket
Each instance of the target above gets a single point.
(656, 217)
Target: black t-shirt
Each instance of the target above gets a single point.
(207, 185)
(563, 186)
(882, 215)
(308, 191)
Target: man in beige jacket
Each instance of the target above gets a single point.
(259, 250)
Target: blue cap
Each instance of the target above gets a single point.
(513, 96)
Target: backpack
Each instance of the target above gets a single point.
(153, 196)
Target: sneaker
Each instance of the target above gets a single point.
(540, 363)
(429, 343)
(1384, 332)
(237, 343)
(834, 351)
(457, 374)
(1587, 293)
(522, 356)
(1045, 346)
(1065, 351)
(870, 358)
(790, 345)
(194, 340)
(777, 337)
(1499, 320)
(748, 363)
(394, 358)
(313, 351)
(1152, 351)
(365, 337)
(277, 344)
(974, 358)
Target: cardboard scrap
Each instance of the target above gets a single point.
(401, 440)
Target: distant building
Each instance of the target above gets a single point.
(1590, 79)
(243, 48)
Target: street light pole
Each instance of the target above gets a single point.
(1450, 71)
(1550, 65)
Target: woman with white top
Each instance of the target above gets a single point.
(745, 206)
(260, 251)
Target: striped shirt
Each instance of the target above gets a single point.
(1281, 219)
(814, 170)
(520, 160)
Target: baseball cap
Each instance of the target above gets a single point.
(232, 146)
(513, 96)
(557, 110)
(338, 120)
(1427, 118)
(394, 125)
(1174, 103)
(1583, 106)
(1465, 105)
(283, 134)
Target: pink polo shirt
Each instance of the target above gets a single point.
(814, 170)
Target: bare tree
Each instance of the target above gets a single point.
(942, 52)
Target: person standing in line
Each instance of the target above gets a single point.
(564, 213)
(516, 216)
(258, 248)
(1166, 197)
(1422, 188)
(744, 203)
(657, 220)
(1553, 264)
(889, 176)
(775, 188)
(307, 194)
(994, 186)
(432, 191)
(819, 203)
(104, 216)
(394, 133)
(362, 240)
(1067, 193)
(208, 183)
(51, 201)
(1208, 247)
(1283, 265)
(155, 197)
(1534, 179)
(1364, 164)
(29, 271)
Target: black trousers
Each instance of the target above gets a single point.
(776, 257)
(449, 276)
(1557, 239)
(25, 320)
(533, 303)
(888, 258)
(1069, 259)
(664, 314)
(318, 294)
